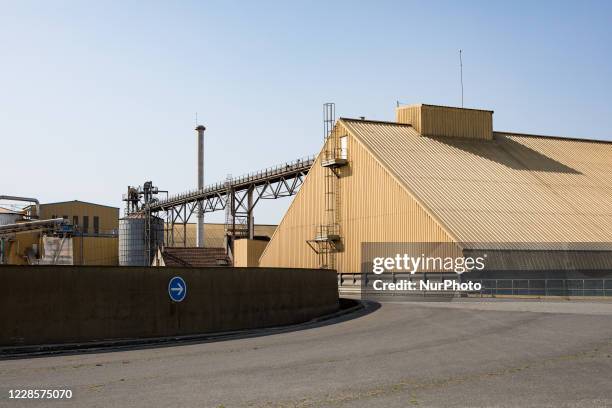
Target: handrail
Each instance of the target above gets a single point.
(261, 175)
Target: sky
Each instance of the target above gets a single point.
(96, 96)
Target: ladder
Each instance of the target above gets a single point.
(327, 239)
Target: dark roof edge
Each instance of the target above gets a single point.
(495, 132)
(79, 201)
(444, 106)
(384, 122)
(575, 139)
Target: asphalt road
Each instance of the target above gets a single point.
(467, 354)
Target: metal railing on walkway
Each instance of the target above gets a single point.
(546, 287)
(351, 283)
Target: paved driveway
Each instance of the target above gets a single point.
(460, 354)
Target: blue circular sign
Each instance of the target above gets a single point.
(177, 289)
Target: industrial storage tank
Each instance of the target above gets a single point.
(132, 239)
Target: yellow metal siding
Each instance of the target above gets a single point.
(247, 252)
(514, 191)
(108, 216)
(516, 188)
(17, 248)
(90, 250)
(431, 120)
(410, 115)
(374, 207)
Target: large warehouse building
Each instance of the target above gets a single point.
(441, 174)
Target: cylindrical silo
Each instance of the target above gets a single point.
(132, 239)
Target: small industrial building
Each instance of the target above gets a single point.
(96, 227)
(442, 174)
(91, 238)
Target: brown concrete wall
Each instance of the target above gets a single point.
(56, 304)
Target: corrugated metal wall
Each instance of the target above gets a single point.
(18, 248)
(410, 115)
(374, 207)
(431, 120)
(95, 250)
(247, 252)
(108, 216)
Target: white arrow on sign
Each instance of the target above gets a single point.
(179, 289)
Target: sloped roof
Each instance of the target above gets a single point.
(7, 211)
(79, 202)
(193, 257)
(513, 189)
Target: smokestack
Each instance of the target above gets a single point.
(200, 212)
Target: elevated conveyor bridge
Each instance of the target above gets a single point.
(236, 195)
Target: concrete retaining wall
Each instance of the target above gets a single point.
(58, 304)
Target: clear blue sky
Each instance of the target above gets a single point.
(98, 95)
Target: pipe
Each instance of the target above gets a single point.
(200, 212)
(30, 225)
(26, 199)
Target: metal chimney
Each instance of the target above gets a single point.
(200, 211)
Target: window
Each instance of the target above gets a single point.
(65, 217)
(96, 224)
(75, 221)
(85, 224)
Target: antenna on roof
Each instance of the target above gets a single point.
(461, 69)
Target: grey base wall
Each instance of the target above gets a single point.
(59, 304)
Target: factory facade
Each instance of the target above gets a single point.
(95, 230)
(88, 237)
(442, 175)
